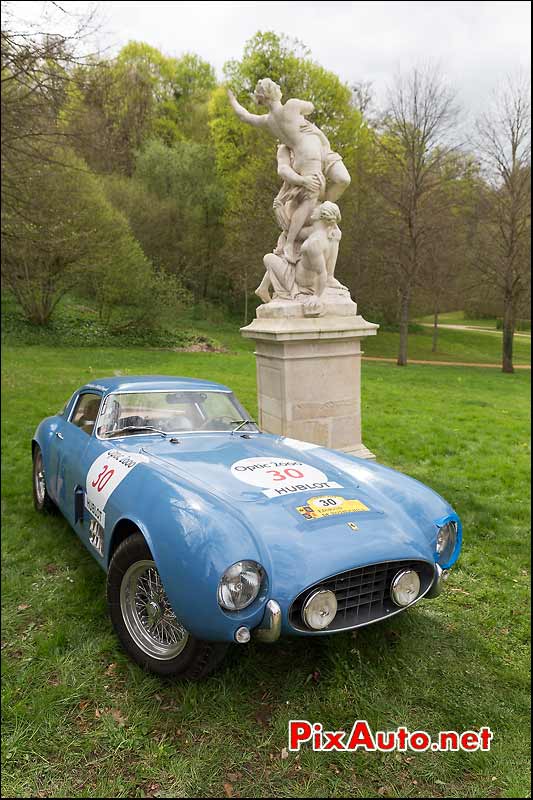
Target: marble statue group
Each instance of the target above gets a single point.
(301, 268)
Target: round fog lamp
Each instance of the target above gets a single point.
(319, 609)
(242, 635)
(405, 587)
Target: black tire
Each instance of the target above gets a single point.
(42, 501)
(197, 658)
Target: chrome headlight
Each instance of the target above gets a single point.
(319, 609)
(405, 587)
(239, 585)
(446, 541)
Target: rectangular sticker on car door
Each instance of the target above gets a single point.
(105, 474)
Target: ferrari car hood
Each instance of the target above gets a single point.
(258, 469)
(305, 507)
(294, 492)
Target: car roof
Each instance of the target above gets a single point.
(147, 383)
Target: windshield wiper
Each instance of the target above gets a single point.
(130, 428)
(240, 423)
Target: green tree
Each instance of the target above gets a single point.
(445, 275)
(74, 240)
(185, 174)
(36, 64)
(157, 223)
(68, 221)
(115, 106)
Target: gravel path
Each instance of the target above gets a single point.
(470, 328)
(445, 363)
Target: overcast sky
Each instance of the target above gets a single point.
(474, 43)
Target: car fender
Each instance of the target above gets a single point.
(410, 496)
(44, 437)
(193, 539)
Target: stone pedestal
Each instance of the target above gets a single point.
(309, 372)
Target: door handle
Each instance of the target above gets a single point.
(59, 435)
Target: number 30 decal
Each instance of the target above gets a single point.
(105, 474)
(103, 478)
(290, 472)
(329, 501)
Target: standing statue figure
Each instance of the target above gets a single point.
(317, 173)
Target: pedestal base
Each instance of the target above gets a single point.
(309, 378)
(336, 302)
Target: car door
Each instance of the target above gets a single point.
(73, 457)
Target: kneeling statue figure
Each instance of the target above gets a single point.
(314, 271)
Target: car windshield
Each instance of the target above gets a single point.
(133, 413)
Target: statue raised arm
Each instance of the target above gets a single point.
(257, 120)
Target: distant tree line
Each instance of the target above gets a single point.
(129, 181)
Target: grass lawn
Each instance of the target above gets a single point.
(74, 322)
(468, 346)
(453, 345)
(458, 318)
(80, 720)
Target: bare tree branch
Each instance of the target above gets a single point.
(419, 159)
(503, 140)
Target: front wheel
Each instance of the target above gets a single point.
(144, 621)
(41, 499)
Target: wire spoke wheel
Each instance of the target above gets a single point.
(147, 613)
(38, 478)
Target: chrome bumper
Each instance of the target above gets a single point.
(441, 576)
(270, 627)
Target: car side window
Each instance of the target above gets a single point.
(86, 411)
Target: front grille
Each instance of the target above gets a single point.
(363, 594)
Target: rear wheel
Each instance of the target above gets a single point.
(144, 620)
(41, 499)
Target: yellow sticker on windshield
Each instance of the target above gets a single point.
(330, 505)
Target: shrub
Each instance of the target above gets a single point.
(76, 325)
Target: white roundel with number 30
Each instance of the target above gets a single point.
(279, 476)
(105, 474)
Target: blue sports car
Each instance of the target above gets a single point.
(212, 532)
